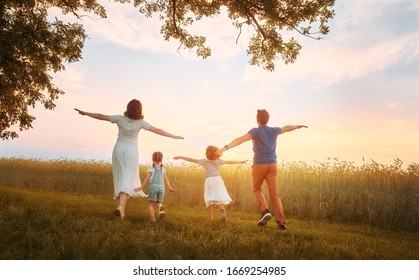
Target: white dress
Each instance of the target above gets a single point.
(215, 191)
(125, 158)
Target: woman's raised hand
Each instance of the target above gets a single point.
(80, 111)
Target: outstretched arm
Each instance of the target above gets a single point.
(167, 182)
(145, 183)
(234, 143)
(187, 159)
(95, 115)
(235, 161)
(289, 128)
(161, 132)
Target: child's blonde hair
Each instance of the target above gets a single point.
(157, 157)
(210, 153)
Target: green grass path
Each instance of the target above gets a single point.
(53, 225)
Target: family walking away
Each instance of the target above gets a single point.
(125, 157)
(265, 165)
(125, 166)
(156, 179)
(215, 192)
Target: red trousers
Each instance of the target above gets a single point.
(268, 173)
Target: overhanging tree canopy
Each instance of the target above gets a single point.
(32, 46)
(268, 17)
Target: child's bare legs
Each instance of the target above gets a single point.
(151, 205)
(209, 208)
(223, 213)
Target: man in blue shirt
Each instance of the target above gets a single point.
(265, 165)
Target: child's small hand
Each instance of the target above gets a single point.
(172, 189)
(138, 189)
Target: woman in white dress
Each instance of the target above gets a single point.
(125, 158)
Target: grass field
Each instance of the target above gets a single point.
(55, 225)
(335, 210)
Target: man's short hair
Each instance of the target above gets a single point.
(262, 116)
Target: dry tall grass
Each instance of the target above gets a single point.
(338, 191)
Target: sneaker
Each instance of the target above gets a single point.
(223, 216)
(282, 227)
(118, 212)
(162, 213)
(265, 217)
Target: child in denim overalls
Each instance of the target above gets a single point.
(156, 176)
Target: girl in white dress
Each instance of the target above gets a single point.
(125, 158)
(215, 192)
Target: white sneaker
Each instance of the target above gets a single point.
(264, 218)
(162, 213)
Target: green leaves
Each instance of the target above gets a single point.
(269, 18)
(31, 46)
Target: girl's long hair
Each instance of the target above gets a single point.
(157, 157)
(134, 110)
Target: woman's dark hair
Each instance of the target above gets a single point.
(134, 110)
(262, 116)
(210, 153)
(157, 157)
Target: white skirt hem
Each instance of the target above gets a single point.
(215, 192)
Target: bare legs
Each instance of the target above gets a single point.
(121, 202)
(222, 209)
(151, 207)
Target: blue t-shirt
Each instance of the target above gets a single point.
(264, 144)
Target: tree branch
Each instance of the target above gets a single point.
(249, 14)
(283, 20)
(239, 25)
(174, 16)
(307, 35)
(71, 8)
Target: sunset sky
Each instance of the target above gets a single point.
(357, 90)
